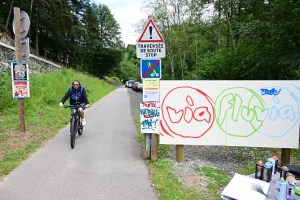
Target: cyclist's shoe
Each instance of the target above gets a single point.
(83, 122)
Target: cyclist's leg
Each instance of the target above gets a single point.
(81, 113)
(81, 108)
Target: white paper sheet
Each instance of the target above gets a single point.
(241, 188)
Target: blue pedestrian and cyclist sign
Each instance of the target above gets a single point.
(151, 68)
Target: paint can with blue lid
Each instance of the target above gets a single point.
(273, 165)
(267, 173)
(281, 189)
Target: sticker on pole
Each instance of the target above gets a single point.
(151, 33)
(150, 68)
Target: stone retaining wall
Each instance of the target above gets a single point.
(35, 64)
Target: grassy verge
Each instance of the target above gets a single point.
(43, 117)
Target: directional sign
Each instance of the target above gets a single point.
(150, 68)
(151, 33)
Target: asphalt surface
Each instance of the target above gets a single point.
(106, 163)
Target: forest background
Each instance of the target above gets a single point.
(215, 40)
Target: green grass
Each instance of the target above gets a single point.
(168, 185)
(216, 181)
(43, 117)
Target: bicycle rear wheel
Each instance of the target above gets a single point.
(80, 127)
(73, 132)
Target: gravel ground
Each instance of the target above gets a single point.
(220, 157)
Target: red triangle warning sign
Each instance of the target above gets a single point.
(151, 33)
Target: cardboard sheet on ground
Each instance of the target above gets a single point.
(241, 188)
(232, 113)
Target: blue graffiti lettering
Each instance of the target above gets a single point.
(149, 124)
(273, 91)
(149, 112)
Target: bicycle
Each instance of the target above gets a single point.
(75, 123)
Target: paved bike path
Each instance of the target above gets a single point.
(106, 162)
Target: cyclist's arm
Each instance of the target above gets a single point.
(67, 95)
(85, 97)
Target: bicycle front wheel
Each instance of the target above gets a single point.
(80, 127)
(73, 132)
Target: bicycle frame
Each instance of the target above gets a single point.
(75, 123)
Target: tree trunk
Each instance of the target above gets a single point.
(37, 29)
(8, 17)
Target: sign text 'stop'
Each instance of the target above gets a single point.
(151, 33)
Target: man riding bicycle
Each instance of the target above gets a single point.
(77, 93)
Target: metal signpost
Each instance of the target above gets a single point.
(151, 48)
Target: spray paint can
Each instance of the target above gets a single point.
(281, 189)
(276, 163)
(283, 171)
(259, 170)
(273, 164)
(267, 172)
(290, 186)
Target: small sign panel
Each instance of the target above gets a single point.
(151, 33)
(19, 71)
(149, 117)
(150, 90)
(150, 68)
(150, 50)
(20, 89)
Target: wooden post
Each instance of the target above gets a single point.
(154, 147)
(285, 156)
(179, 153)
(18, 54)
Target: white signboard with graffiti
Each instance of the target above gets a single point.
(149, 117)
(232, 113)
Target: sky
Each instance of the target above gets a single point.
(126, 12)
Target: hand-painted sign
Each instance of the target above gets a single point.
(150, 68)
(231, 113)
(149, 117)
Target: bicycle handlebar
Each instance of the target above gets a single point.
(77, 105)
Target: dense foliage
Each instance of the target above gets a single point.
(206, 39)
(229, 39)
(73, 33)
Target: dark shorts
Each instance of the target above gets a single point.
(82, 105)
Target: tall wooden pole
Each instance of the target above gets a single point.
(18, 52)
